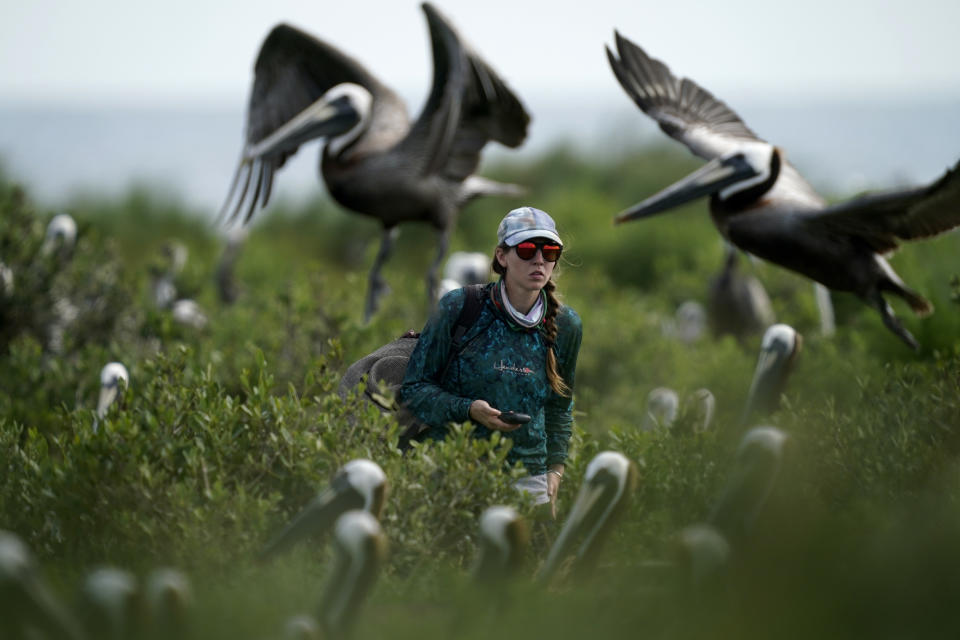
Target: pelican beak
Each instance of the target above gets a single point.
(319, 516)
(708, 179)
(580, 517)
(324, 118)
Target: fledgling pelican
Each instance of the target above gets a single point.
(113, 605)
(6, 281)
(761, 204)
(607, 486)
(702, 553)
(361, 549)
(756, 469)
(737, 303)
(778, 356)
(114, 380)
(227, 287)
(662, 407)
(188, 313)
(359, 484)
(26, 605)
(701, 405)
(61, 236)
(169, 599)
(503, 539)
(375, 162)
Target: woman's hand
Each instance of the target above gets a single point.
(554, 475)
(482, 412)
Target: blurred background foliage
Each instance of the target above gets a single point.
(226, 431)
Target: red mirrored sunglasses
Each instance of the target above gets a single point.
(550, 250)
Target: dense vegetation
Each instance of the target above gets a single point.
(226, 431)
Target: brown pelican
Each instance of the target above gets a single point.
(227, 287)
(761, 204)
(61, 236)
(778, 356)
(757, 465)
(503, 539)
(701, 405)
(169, 600)
(607, 486)
(701, 552)
(361, 549)
(737, 304)
(113, 605)
(6, 281)
(114, 379)
(688, 323)
(359, 484)
(376, 162)
(189, 314)
(26, 605)
(662, 407)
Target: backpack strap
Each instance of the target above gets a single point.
(469, 312)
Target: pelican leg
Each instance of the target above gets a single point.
(442, 246)
(886, 312)
(377, 287)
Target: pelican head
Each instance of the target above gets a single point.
(662, 406)
(778, 354)
(742, 174)
(359, 484)
(6, 281)
(169, 599)
(112, 603)
(468, 267)
(702, 551)
(503, 538)
(24, 600)
(701, 405)
(188, 313)
(113, 380)
(607, 485)
(61, 235)
(361, 548)
(755, 471)
(340, 115)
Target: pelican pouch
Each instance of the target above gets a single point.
(386, 367)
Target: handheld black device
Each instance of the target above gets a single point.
(512, 417)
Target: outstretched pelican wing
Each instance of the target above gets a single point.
(883, 219)
(469, 105)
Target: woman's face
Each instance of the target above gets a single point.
(524, 275)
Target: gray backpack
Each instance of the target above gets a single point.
(386, 367)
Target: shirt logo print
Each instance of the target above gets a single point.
(524, 371)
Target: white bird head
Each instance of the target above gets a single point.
(61, 236)
(359, 484)
(114, 379)
(662, 406)
(188, 313)
(503, 538)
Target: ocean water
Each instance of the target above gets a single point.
(192, 152)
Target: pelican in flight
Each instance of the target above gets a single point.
(607, 486)
(375, 161)
(761, 204)
(359, 484)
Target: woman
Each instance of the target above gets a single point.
(519, 355)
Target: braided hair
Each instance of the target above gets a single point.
(550, 330)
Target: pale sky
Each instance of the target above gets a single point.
(202, 51)
(893, 65)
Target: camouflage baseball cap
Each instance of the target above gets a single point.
(525, 223)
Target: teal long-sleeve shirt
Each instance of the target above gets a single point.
(499, 362)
